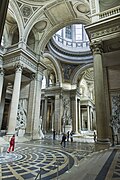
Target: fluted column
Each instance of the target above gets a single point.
(58, 113)
(74, 114)
(15, 100)
(88, 117)
(3, 12)
(102, 126)
(30, 114)
(45, 115)
(36, 119)
(1, 81)
(2, 103)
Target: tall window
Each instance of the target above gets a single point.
(68, 32)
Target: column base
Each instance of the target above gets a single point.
(34, 136)
(101, 145)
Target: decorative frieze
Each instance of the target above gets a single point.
(105, 32)
(22, 59)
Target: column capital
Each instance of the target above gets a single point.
(18, 66)
(33, 76)
(1, 71)
(96, 47)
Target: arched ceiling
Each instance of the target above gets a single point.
(107, 4)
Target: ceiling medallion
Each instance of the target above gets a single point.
(82, 8)
(41, 25)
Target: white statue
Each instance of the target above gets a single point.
(40, 129)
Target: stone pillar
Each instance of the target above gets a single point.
(1, 81)
(15, 100)
(52, 115)
(2, 103)
(31, 101)
(45, 115)
(79, 117)
(102, 126)
(74, 114)
(88, 117)
(36, 120)
(58, 113)
(33, 119)
(3, 12)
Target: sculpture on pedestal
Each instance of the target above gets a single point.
(114, 128)
(66, 113)
(40, 129)
(21, 117)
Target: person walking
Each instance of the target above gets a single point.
(68, 135)
(71, 136)
(95, 136)
(12, 144)
(63, 140)
(54, 133)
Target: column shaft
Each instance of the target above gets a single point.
(102, 129)
(15, 101)
(1, 82)
(36, 120)
(58, 113)
(88, 117)
(31, 104)
(45, 116)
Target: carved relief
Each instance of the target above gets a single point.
(115, 118)
(40, 26)
(21, 58)
(104, 32)
(82, 8)
(26, 11)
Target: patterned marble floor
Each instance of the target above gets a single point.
(27, 160)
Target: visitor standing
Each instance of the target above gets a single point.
(54, 133)
(12, 144)
(63, 140)
(68, 135)
(71, 136)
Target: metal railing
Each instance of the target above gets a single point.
(109, 12)
(79, 44)
(55, 165)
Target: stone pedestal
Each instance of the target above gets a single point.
(101, 145)
(67, 128)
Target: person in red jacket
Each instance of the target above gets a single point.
(12, 144)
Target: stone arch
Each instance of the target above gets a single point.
(79, 71)
(48, 34)
(58, 22)
(17, 17)
(57, 67)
